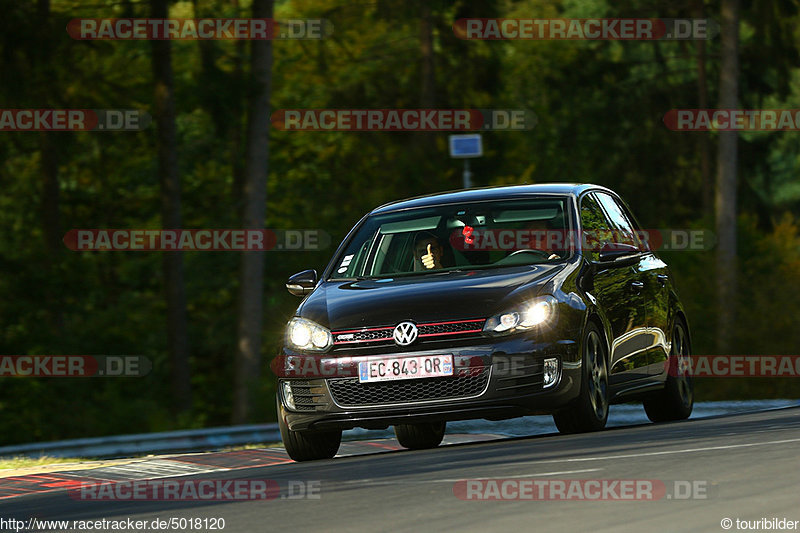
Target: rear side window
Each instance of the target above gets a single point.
(595, 228)
(625, 232)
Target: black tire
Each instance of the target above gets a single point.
(676, 401)
(420, 436)
(589, 412)
(308, 445)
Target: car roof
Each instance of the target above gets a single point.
(488, 193)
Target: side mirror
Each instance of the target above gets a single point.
(618, 254)
(302, 283)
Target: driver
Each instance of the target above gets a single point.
(428, 252)
(540, 238)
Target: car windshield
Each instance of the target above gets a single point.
(455, 237)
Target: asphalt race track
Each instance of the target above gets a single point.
(743, 466)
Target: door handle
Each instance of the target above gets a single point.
(662, 279)
(637, 286)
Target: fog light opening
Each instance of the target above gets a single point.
(550, 372)
(288, 398)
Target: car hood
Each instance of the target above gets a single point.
(424, 298)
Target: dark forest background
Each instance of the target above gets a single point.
(211, 321)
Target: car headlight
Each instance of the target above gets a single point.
(307, 335)
(538, 312)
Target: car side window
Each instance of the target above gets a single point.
(596, 228)
(624, 230)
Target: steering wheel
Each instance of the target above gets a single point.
(544, 254)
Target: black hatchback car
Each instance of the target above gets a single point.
(486, 303)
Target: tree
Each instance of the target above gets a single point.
(251, 286)
(702, 103)
(164, 111)
(428, 76)
(725, 200)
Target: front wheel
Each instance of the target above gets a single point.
(420, 436)
(676, 401)
(590, 410)
(308, 445)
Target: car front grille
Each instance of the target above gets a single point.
(366, 335)
(349, 392)
(450, 328)
(427, 331)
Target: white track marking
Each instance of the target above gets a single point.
(455, 480)
(666, 452)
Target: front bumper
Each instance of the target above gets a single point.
(501, 378)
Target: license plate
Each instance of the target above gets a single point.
(396, 368)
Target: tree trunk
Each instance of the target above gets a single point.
(428, 90)
(707, 186)
(237, 190)
(248, 354)
(50, 203)
(50, 195)
(48, 149)
(726, 181)
(209, 78)
(164, 111)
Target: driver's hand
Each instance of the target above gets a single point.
(427, 259)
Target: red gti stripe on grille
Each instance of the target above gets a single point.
(450, 333)
(451, 322)
(363, 340)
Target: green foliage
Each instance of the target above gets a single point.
(599, 104)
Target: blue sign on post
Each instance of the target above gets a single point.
(462, 146)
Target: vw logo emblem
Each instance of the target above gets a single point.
(405, 333)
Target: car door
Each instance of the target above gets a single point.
(620, 292)
(656, 290)
(656, 278)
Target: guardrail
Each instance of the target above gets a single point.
(146, 443)
(192, 440)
